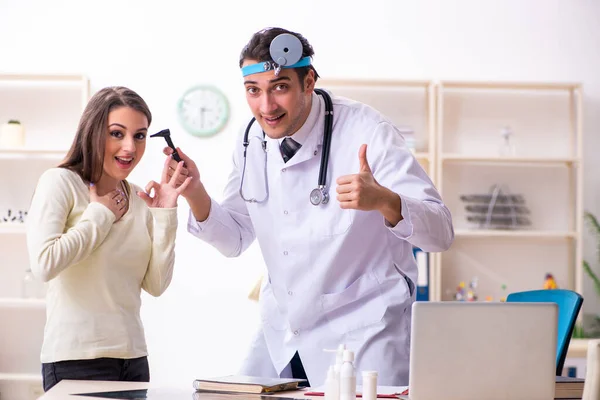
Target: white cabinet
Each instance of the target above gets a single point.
(48, 108)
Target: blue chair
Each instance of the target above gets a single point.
(569, 304)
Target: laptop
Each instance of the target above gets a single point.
(483, 350)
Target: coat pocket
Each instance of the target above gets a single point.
(329, 220)
(358, 306)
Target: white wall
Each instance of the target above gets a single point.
(203, 323)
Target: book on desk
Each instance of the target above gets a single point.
(246, 384)
(568, 388)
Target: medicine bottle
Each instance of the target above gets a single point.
(369, 385)
(348, 377)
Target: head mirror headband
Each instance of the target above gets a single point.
(286, 51)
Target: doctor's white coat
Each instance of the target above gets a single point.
(334, 276)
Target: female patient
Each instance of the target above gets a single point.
(98, 240)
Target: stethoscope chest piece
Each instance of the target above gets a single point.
(319, 196)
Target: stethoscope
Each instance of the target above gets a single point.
(319, 195)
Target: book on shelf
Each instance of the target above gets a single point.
(422, 259)
(246, 384)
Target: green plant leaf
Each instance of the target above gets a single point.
(594, 228)
(593, 276)
(578, 332)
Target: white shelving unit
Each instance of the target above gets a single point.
(49, 108)
(543, 165)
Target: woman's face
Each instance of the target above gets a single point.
(125, 142)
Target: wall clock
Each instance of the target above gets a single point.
(203, 110)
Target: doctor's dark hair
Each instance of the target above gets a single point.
(258, 49)
(86, 155)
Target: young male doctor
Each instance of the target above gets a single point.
(338, 250)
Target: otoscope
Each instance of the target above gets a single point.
(167, 135)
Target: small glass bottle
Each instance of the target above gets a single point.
(348, 377)
(507, 148)
(332, 385)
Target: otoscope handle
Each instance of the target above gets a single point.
(175, 156)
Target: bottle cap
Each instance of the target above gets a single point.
(369, 374)
(339, 356)
(348, 355)
(339, 353)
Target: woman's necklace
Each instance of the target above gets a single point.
(125, 190)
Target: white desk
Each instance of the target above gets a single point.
(64, 390)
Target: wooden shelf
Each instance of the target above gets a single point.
(29, 153)
(17, 302)
(531, 161)
(12, 228)
(20, 377)
(511, 85)
(422, 156)
(578, 348)
(56, 80)
(514, 234)
(372, 83)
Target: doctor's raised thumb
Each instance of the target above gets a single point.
(362, 157)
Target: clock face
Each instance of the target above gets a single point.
(203, 110)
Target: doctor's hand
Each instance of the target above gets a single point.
(362, 192)
(165, 193)
(195, 193)
(189, 170)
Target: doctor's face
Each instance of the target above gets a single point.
(280, 103)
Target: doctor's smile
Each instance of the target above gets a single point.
(273, 121)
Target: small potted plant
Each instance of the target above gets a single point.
(12, 134)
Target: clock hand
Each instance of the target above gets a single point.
(202, 111)
(166, 133)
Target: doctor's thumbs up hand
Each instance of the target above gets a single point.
(190, 170)
(359, 191)
(362, 192)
